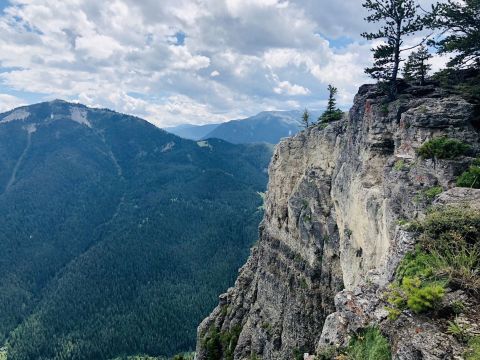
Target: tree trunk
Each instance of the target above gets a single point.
(422, 72)
(396, 62)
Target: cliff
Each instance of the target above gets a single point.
(332, 234)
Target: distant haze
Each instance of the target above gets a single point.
(267, 127)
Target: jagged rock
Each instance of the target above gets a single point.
(331, 237)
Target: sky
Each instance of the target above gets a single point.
(183, 61)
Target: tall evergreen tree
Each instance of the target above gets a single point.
(398, 19)
(460, 22)
(417, 66)
(332, 113)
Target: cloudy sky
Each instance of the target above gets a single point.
(178, 61)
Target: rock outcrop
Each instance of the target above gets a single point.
(331, 240)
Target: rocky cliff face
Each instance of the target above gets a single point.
(330, 239)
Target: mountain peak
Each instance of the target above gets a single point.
(267, 127)
(47, 112)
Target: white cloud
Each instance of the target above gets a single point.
(162, 60)
(285, 87)
(182, 59)
(97, 46)
(8, 102)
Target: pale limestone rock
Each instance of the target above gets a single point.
(331, 237)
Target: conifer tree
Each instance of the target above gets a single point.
(305, 120)
(417, 67)
(398, 19)
(460, 22)
(332, 113)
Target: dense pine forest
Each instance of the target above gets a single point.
(117, 237)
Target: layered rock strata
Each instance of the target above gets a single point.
(330, 239)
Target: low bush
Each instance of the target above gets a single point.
(415, 295)
(186, 356)
(465, 82)
(428, 195)
(327, 117)
(473, 352)
(434, 191)
(369, 345)
(399, 165)
(460, 331)
(448, 254)
(221, 345)
(443, 148)
(471, 177)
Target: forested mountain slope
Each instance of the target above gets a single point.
(116, 237)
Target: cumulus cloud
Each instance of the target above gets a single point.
(8, 102)
(176, 61)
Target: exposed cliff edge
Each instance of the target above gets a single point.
(332, 238)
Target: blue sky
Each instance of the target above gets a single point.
(179, 61)
(3, 4)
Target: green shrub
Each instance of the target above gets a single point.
(431, 193)
(460, 81)
(369, 345)
(229, 341)
(393, 313)
(414, 294)
(185, 356)
(471, 177)
(384, 109)
(428, 195)
(473, 352)
(459, 331)
(448, 254)
(443, 148)
(298, 354)
(452, 239)
(221, 345)
(422, 297)
(417, 264)
(399, 165)
(330, 116)
(442, 224)
(212, 344)
(458, 307)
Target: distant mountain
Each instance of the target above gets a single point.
(192, 132)
(268, 127)
(116, 236)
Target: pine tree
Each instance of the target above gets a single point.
(305, 120)
(399, 19)
(332, 113)
(460, 21)
(417, 67)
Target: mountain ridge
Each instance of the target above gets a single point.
(106, 224)
(266, 126)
